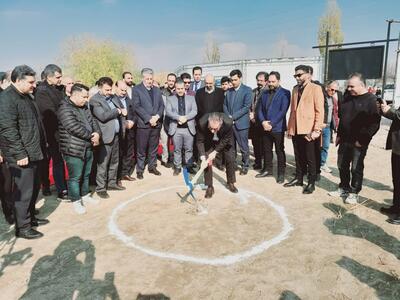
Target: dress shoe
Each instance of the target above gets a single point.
(244, 171)
(231, 187)
(395, 220)
(294, 182)
(177, 171)
(36, 212)
(139, 175)
(264, 174)
(46, 192)
(257, 167)
(116, 188)
(39, 222)
(10, 219)
(309, 189)
(191, 170)
(128, 178)
(209, 192)
(389, 210)
(29, 234)
(155, 172)
(63, 196)
(167, 164)
(281, 179)
(103, 195)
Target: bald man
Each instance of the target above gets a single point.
(210, 99)
(127, 139)
(67, 82)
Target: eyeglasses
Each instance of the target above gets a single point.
(332, 90)
(298, 75)
(186, 82)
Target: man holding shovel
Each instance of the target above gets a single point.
(215, 135)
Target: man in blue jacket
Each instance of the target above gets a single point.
(272, 115)
(237, 106)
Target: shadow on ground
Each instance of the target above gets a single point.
(68, 274)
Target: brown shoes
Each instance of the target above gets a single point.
(231, 187)
(209, 192)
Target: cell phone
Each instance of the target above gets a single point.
(379, 100)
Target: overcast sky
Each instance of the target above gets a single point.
(167, 34)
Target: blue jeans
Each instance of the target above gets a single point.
(326, 140)
(79, 172)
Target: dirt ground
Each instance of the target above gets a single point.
(334, 251)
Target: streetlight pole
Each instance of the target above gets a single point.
(390, 21)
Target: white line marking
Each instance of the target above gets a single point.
(219, 261)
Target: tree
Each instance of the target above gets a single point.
(212, 54)
(87, 59)
(330, 21)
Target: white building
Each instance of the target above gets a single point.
(250, 67)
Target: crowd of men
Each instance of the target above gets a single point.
(105, 133)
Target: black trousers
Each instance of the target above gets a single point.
(127, 155)
(5, 191)
(257, 142)
(107, 165)
(304, 154)
(269, 139)
(147, 140)
(396, 181)
(26, 186)
(317, 145)
(54, 154)
(229, 155)
(351, 159)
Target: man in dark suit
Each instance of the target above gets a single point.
(48, 97)
(108, 113)
(149, 106)
(181, 110)
(127, 138)
(197, 83)
(272, 116)
(22, 141)
(256, 130)
(237, 106)
(215, 135)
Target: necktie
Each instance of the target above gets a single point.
(195, 86)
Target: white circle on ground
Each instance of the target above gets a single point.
(218, 261)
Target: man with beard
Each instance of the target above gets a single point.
(256, 129)
(187, 80)
(226, 84)
(128, 79)
(48, 97)
(272, 116)
(167, 156)
(237, 105)
(304, 127)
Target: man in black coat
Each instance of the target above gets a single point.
(48, 97)
(107, 111)
(149, 108)
(22, 141)
(78, 134)
(393, 142)
(127, 137)
(215, 135)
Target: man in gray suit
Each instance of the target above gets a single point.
(182, 110)
(149, 106)
(237, 106)
(197, 83)
(107, 111)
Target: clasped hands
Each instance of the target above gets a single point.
(153, 120)
(182, 120)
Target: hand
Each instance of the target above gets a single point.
(153, 121)
(95, 139)
(308, 137)
(23, 162)
(182, 120)
(323, 126)
(315, 135)
(1, 159)
(267, 125)
(124, 112)
(384, 107)
(119, 110)
(128, 124)
(357, 144)
(252, 117)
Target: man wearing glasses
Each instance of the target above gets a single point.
(331, 121)
(187, 79)
(304, 126)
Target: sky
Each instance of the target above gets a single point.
(167, 34)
